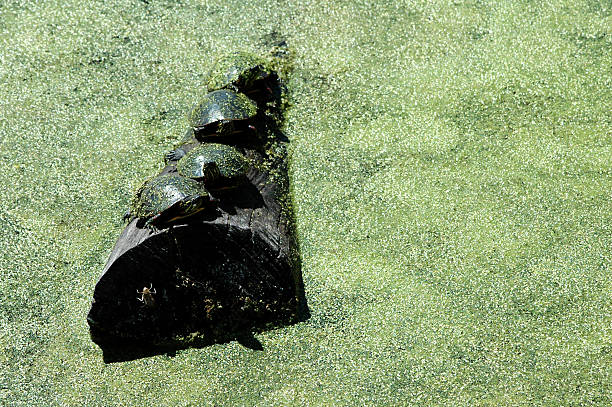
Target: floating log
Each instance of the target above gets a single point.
(219, 276)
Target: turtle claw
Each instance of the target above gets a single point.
(127, 216)
(174, 155)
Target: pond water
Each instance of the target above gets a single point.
(450, 164)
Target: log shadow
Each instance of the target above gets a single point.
(246, 196)
(125, 351)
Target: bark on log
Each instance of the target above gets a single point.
(217, 277)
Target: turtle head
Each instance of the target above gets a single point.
(191, 205)
(210, 171)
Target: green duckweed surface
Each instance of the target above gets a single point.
(451, 174)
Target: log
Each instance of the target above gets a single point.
(231, 271)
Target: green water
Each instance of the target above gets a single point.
(451, 169)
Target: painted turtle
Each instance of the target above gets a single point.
(167, 198)
(241, 72)
(222, 113)
(218, 165)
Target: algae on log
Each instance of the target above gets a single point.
(216, 277)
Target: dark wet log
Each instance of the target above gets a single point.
(228, 272)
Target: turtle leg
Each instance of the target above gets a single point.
(174, 155)
(127, 216)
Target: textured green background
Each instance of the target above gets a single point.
(451, 169)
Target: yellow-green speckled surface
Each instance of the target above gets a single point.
(451, 169)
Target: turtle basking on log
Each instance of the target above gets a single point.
(217, 278)
(168, 198)
(219, 166)
(222, 115)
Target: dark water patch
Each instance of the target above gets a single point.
(10, 226)
(501, 111)
(595, 44)
(602, 8)
(338, 308)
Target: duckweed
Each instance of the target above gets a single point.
(450, 169)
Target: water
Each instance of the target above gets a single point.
(450, 165)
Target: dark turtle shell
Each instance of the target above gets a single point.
(169, 197)
(222, 113)
(219, 165)
(238, 71)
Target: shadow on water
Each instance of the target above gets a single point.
(122, 350)
(114, 352)
(126, 351)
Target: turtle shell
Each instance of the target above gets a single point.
(220, 111)
(238, 70)
(169, 194)
(218, 165)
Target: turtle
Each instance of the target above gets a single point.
(219, 166)
(222, 113)
(166, 198)
(241, 72)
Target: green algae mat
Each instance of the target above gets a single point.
(451, 170)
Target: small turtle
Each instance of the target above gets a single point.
(223, 113)
(220, 166)
(241, 72)
(167, 198)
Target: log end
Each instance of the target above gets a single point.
(207, 281)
